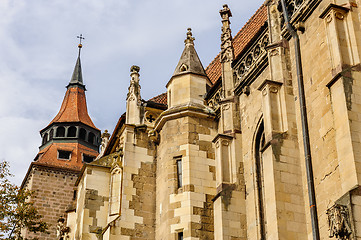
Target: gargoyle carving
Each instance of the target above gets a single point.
(62, 231)
(339, 222)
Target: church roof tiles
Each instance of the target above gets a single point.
(240, 41)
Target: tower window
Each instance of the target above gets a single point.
(82, 133)
(51, 134)
(60, 132)
(72, 131)
(87, 158)
(45, 138)
(179, 172)
(64, 155)
(91, 138)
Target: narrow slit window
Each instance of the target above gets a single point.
(74, 194)
(179, 173)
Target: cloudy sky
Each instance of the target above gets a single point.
(38, 50)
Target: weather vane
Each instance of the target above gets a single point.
(80, 45)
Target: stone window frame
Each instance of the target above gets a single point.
(117, 170)
(258, 147)
(178, 187)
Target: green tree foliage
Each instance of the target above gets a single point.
(16, 211)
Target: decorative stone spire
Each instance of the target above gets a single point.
(189, 39)
(227, 52)
(189, 61)
(134, 88)
(135, 111)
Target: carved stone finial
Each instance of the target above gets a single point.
(189, 39)
(225, 13)
(134, 69)
(105, 139)
(339, 222)
(227, 53)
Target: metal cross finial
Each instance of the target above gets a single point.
(80, 38)
(80, 45)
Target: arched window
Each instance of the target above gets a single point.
(82, 133)
(115, 191)
(259, 144)
(51, 134)
(60, 132)
(72, 131)
(91, 138)
(45, 138)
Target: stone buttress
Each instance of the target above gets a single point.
(229, 202)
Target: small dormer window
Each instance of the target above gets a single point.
(64, 155)
(87, 158)
(183, 68)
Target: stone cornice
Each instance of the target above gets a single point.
(183, 111)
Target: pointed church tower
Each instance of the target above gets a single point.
(70, 140)
(189, 81)
(185, 182)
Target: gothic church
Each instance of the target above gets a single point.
(261, 144)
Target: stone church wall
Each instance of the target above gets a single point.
(187, 209)
(54, 193)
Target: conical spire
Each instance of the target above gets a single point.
(77, 78)
(189, 61)
(74, 107)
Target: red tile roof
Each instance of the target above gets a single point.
(74, 108)
(240, 41)
(162, 99)
(48, 156)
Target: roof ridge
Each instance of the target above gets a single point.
(248, 21)
(156, 96)
(238, 33)
(240, 40)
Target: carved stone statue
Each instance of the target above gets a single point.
(227, 53)
(62, 231)
(339, 222)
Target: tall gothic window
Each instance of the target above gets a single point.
(259, 144)
(115, 191)
(179, 172)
